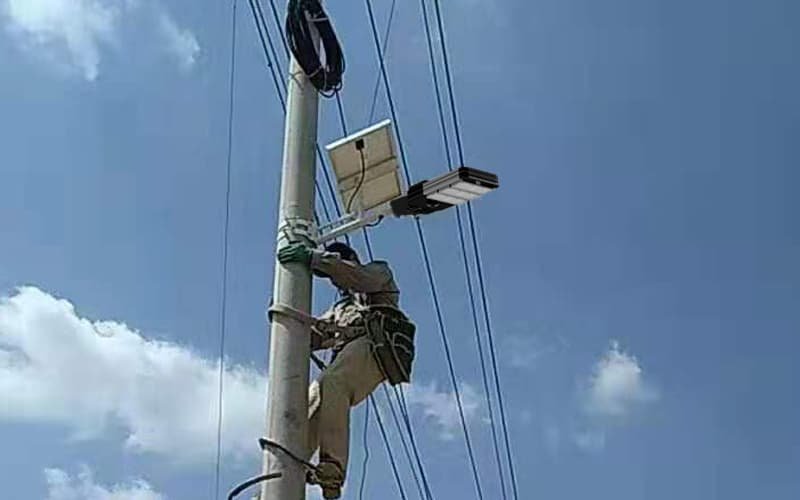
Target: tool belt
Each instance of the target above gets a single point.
(392, 337)
(390, 332)
(338, 336)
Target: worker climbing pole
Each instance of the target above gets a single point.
(371, 339)
(290, 342)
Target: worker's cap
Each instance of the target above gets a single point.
(344, 250)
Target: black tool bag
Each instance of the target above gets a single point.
(392, 336)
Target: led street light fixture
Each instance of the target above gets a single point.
(365, 164)
(460, 186)
(454, 188)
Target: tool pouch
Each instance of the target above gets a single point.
(392, 336)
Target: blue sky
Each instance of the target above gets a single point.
(641, 256)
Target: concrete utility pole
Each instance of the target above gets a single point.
(287, 407)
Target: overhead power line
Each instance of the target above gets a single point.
(280, 89)
(468, 275)
(420, 479)
(426, 258)
(225, 232)
(476, 249)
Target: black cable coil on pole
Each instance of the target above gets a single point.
(301, 15)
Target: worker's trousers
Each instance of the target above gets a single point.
(351, 377)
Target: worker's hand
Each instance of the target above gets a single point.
(295, 252)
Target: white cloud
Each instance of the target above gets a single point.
(76, 29)
(617, 385)
(615, 390)
(441, 406)
(62, 486)
(181, 43)
(91, 376)
(73, 34)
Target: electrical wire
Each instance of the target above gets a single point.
(401, 403)
(476, 249)
(468, 274)
(252, 482)
(360, 180)
(301, 15)
(278, 25)
(364, 438)
(226, 227)
(376, 223)
(389, 453)
(274, 53)
(280, 89)
(377, 85)
(426, 258)
(414, 474)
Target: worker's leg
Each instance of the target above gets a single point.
(345, 383)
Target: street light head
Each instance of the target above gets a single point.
(366, 168)
(460, 186)
(454, 188)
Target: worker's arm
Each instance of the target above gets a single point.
(374, 277)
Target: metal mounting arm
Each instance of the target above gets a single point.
(352, 222)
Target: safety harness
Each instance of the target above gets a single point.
(389, 330)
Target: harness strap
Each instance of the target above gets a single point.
(293, 313)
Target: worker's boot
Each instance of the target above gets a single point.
(331, 478)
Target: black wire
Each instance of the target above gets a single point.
(278, 26)
(268, 443)
(460, 225)
(226, 227)
(265, 38)
(360, 180)
(261, 35)
(376, 223)
(478, 263)
(301, 15)
(392, 462)
(365, 435)
(421, 236)
(377, 86)
(252, 482)
(401, 403)
(275, 57)
(403, 441)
